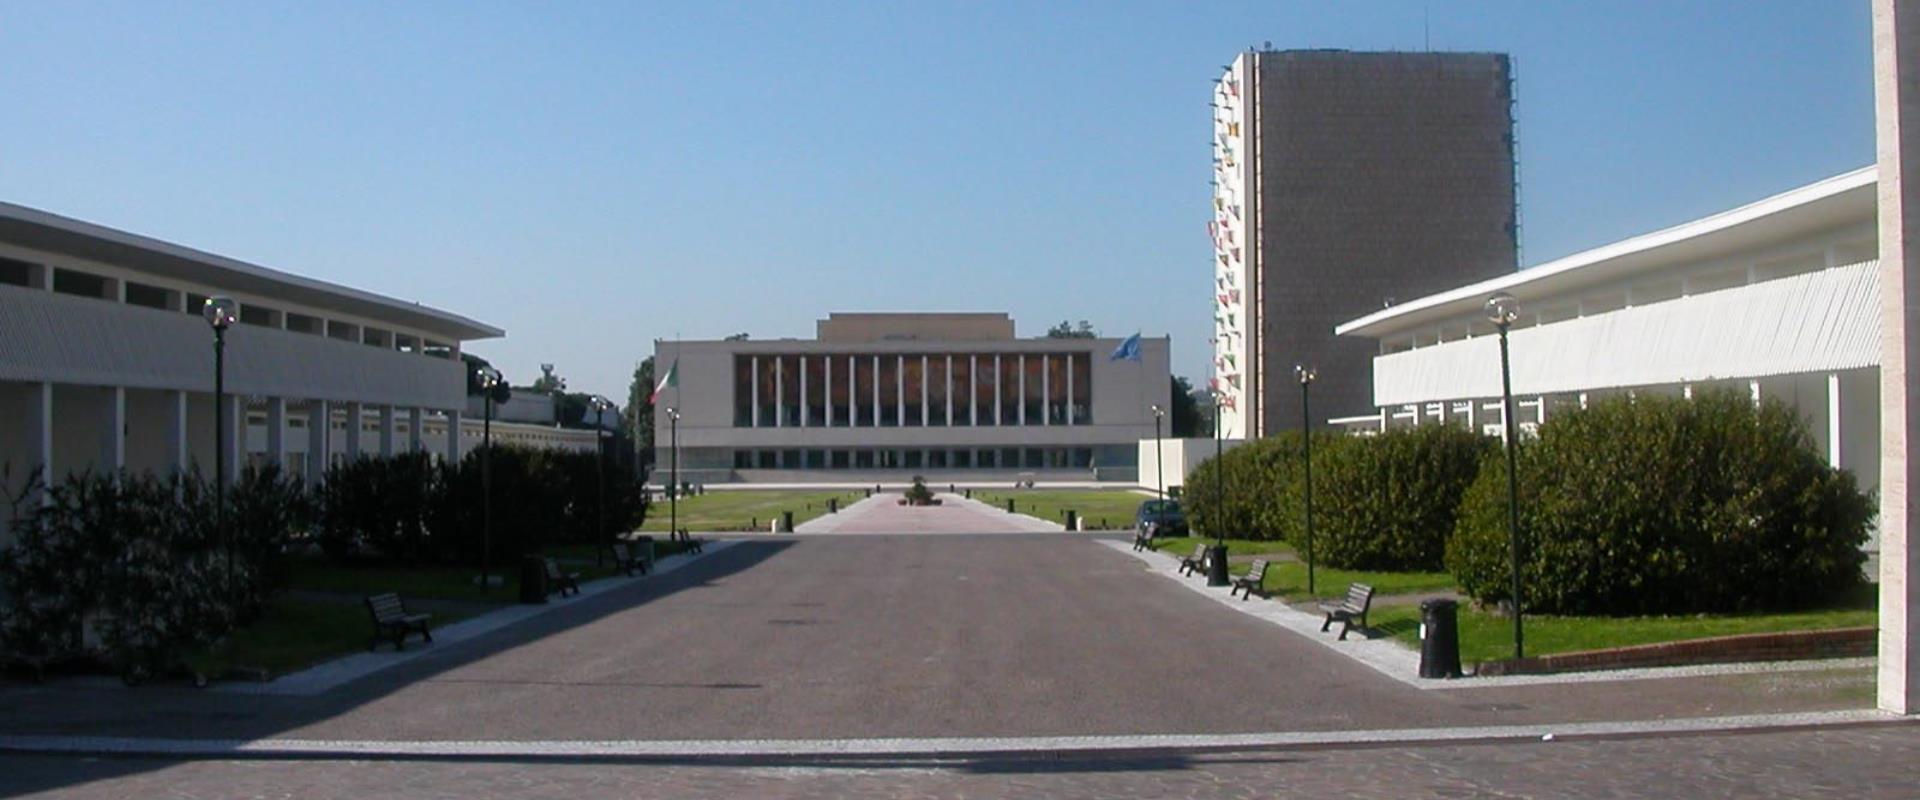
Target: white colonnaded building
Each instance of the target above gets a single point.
(956, 397)
(108, 364)
(1779, 298)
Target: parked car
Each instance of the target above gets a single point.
(1158, 518)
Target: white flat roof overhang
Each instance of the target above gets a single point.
(1828, 204)
(40, 230)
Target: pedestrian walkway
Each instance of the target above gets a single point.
(883, 513)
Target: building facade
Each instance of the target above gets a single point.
(889, 395)
(108, 364)
(1343, 180)
(1779, 298)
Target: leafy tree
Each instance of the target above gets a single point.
(473, 363)
(738, 337)
(1067, 330)
(639, 410)
(1187, 416)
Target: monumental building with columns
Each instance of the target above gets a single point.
(952, 396)
(1779, 298)
(106, 362)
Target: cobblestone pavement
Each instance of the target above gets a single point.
(888, 636)
(1858, 762)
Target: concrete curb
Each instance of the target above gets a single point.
(853, 749)
(1389, 658)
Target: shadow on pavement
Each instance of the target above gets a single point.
(170, 712)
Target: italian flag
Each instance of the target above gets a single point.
(672, 378)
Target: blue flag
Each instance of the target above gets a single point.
(1129, 350)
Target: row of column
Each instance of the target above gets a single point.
(900, 392)
(110, 407)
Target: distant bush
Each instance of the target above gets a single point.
(1389, 502)
(1665, 505)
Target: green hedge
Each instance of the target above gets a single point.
(1660, 505)
(1388, 502)
(142, 559)
(1263, 484)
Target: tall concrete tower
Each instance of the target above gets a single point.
(1342, 181)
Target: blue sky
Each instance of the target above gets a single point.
(592, 176)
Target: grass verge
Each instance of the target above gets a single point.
(1288, 580)
(743, 509)
(293, 634)
(1487, 636)
(1103, 509)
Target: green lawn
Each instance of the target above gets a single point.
(292, 634)
(1288, 580)
(1182, 546)
(449, 582)
(1114, 507)
(1486, 636)
(743, 509)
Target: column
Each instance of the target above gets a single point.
(925, 413)
(236, 423)
(1896, 81)
(973, 389)
(1540, 416)
(1753, 391)
(1070, 390)
(386, 431)
(876, 391)
(1046, 389)
(176, 422)
(353, 430)
(999, 391)
(1833, 419)
(900, 389)
(453, 437)
(1020, 407)
(949, 395)
(39, 430)
(853, 393)
(779, 392)
(753, 373)
(319, 440)
(416, 438)
(826, 394)
(113, 440)
(277, 431)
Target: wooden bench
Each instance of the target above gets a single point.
(391, 620)
(630, 557)
(1359, 599)
(1194, 562)
(693, 545)
(1256, 573)
(1143, 539)
(562, 582)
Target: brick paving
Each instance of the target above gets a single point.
(1856, 762)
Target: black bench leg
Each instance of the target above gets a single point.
(426, 634)
(1327, 624)
(1345, 625)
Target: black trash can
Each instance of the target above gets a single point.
(1217, 566)
(533, 580)
(833, 505)
(1440, 639)
(1073, 520)
(786, 522)
(1009, 505)
(969, 494)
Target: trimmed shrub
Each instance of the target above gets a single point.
(141, 560)
(1263, 484)
(1388, 502)
(376, 507)
(1662, 505)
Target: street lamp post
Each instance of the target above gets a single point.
(1159, 461)
(1217, 555)
(1502, 309)
(600, 406)
(221, 313)
(673, 473)
(1306, 375)
(490, 380)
